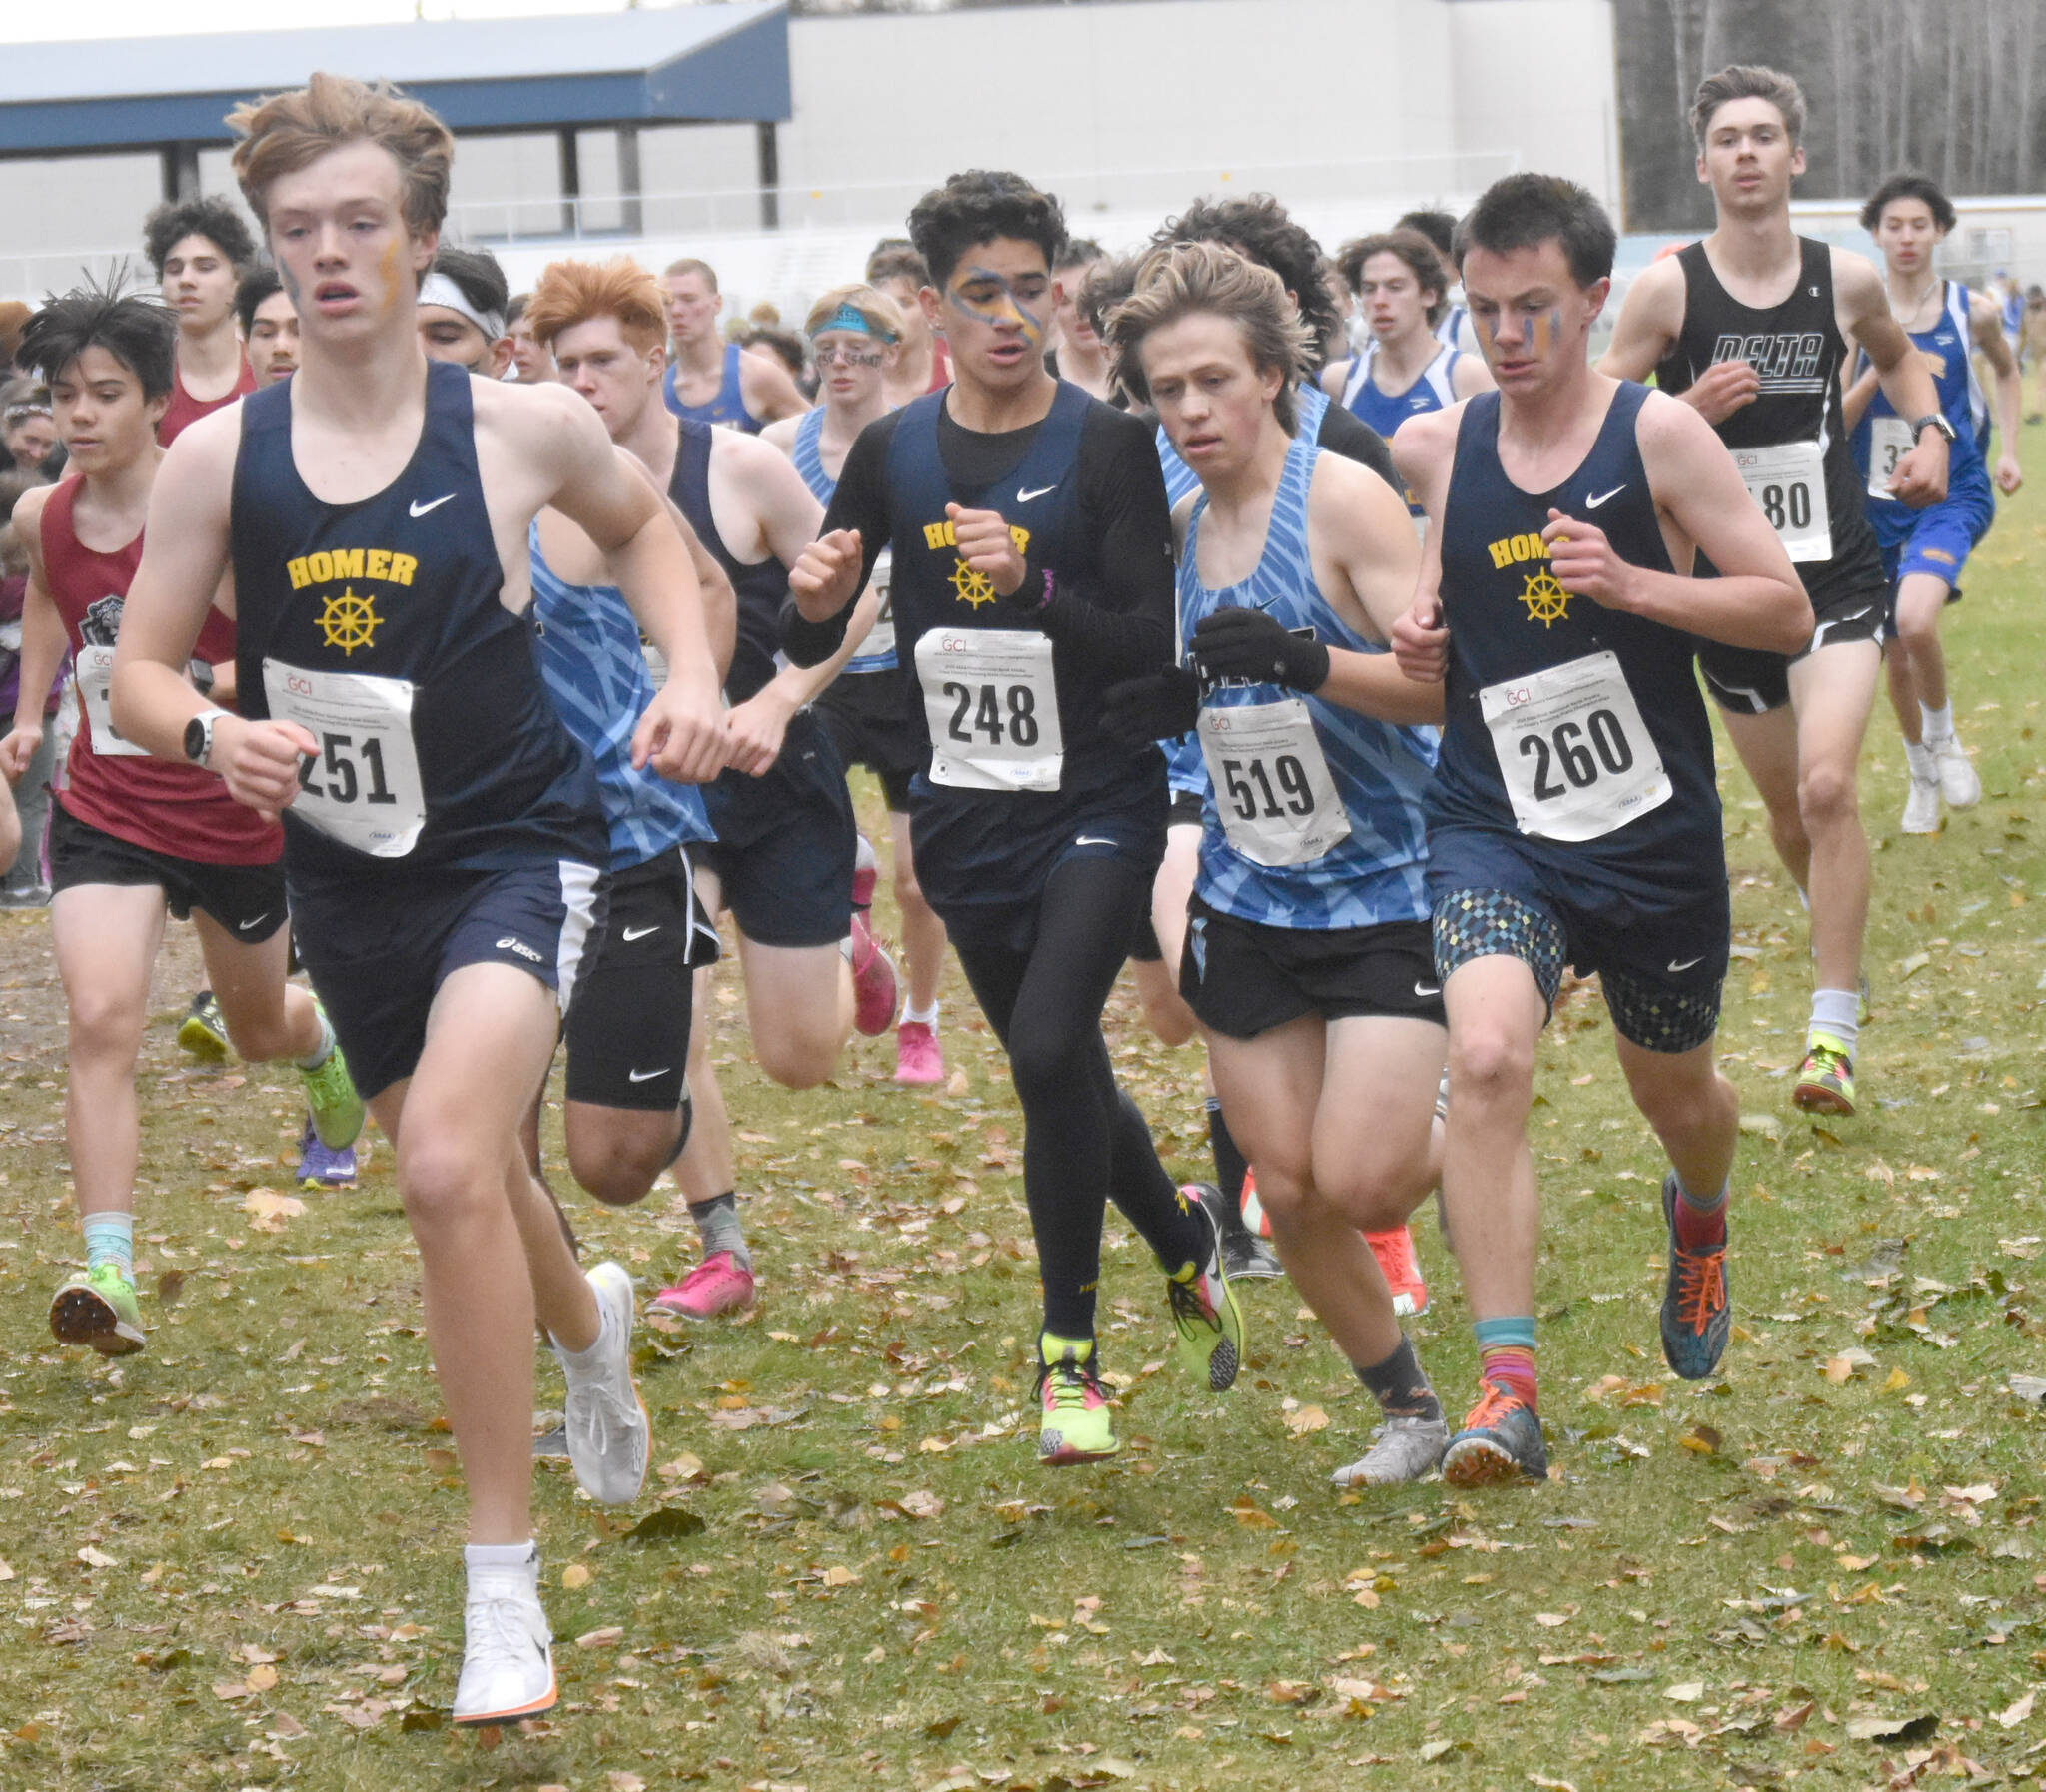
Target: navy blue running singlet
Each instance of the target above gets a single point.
(381, 627)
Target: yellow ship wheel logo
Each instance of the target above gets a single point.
(1548, 602)
(973, 587)
(348, 622)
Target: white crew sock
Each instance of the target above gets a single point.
(498, 1557)
(1918, 757)
(1939, 723)
(1836, 1012)
(927, 1017)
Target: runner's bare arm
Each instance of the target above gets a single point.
(1757, 599)
(1650, 320)
(184, 554)
(1468, 376)
(1985, 325)
(1370, 536)
(1423, 450)
(42, 641)
(757, 725)
(599, 488)
(1859, 392)
(1864, 312)
(766, 387)
(788, 512)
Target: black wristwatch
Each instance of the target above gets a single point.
(199, 736)
(1935, 419)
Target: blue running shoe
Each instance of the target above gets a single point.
(322, 1168)
(1697, 1312)
(1500, 1443)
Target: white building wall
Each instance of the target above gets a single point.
(1350, 110)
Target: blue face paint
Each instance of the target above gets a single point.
(1003, 306)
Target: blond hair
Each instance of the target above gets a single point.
(572, 293)
(883, 314)
(1187, 279)
(690, 265)
(285, 132)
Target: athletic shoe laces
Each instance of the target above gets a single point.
(497, 1628)
(1494, 1407)
(1700, 1288)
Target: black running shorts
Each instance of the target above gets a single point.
(247, 900)
(629, 1032)
(1242, 978)
(785, 842)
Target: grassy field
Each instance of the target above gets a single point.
(232, 1562)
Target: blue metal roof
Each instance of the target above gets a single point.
(688, 63)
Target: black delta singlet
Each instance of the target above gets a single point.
(1796, 349)
(381, 626)
(758, 589)
(1512, 626)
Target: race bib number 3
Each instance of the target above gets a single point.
(96, 692)
(1578, 760)
(993, 709)
(1273, 792)
(1788, 481)
(1890, 440)
(363, 785)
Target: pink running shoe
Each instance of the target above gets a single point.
(918, 1055)
(1394, 1251)
(866, 871)
(873, 979)
(719, 1283)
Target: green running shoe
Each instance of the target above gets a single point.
(97, 1307)
(331, 1093)
(204, 1029)
(1825, 1083)
(1204, 1312)
(1074, 1424)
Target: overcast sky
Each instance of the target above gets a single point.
(88, 20)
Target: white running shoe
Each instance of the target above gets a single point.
(1957, 780)
(1406, 1449)
(610, 1436)
(1921, 807)
(507, 1656)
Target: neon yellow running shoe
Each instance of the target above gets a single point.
(1204, 1312)
(1074, 1424)
(204, 1029)
(1825, 1083)
(331, 1093)
(97, 1307)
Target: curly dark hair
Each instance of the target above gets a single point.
(255, 286)
(478, 273)
(214, 219)
(977, 207)
(140, 333)
(1259, 227)
(1909, 185)
(1413, 248)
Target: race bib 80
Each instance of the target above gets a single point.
(1788, 481)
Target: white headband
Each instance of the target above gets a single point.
(437, 289)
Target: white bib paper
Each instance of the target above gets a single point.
(993, 709)
(96, 692)
(1271, 780)
(1890, 440)
(1577, 759)
(1788, 481)
(880, 642)
(363, 787)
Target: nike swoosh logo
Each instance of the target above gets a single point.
(639, 933)
(1425, 990)
(1592, 504)
(1092, 840)
(1688, 963)
(420, 509)
(647, 1076)
(1023, 497)
(245, 926)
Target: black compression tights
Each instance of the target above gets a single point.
(1083, 1141)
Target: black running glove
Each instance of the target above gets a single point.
(1248, 643)
(1158, 707)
